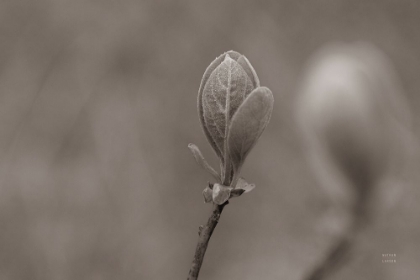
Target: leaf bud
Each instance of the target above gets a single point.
(233, 109)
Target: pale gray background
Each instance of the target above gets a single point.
(98, 104)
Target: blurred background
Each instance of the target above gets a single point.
(98, 102)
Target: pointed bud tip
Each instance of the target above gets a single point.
(227, 58)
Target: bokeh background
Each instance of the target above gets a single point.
(98, 105)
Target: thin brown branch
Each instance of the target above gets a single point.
(205, 233)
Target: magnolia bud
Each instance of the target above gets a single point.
(347, 111)
(233, 109)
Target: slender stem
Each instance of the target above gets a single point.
(336, 257)
(204, 233)
(342, 250)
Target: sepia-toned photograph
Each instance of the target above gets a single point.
(240, 140)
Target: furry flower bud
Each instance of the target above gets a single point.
(352, 114)
(233, 109)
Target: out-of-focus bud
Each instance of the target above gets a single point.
(234, 110)
(351, 109)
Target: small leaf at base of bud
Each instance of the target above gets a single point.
(221, 194)
(208, 195)
(199, 158)
(244, 185)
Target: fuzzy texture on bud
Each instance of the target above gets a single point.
(234, 110)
